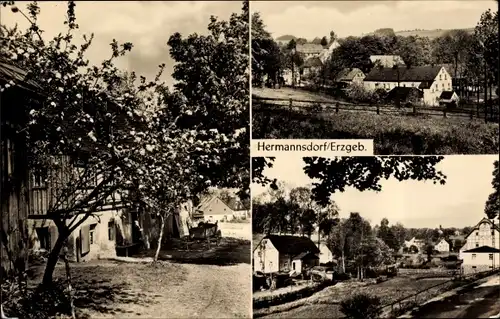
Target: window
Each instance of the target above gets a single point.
(449, 86)
(445, 76)
(473, 256)
(436, 87)
(39, 179)
(442, 85)
(111, 230)
(477, 233)
(492, 233)
(490, 256)
(413, 85)
(43, 235)
(92, 229)
(404, 85)
(473, 267)
(440, 76)
(293, 265)
(477, 244)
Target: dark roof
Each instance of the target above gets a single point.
(403, 93)
(9, 72)
(412, 74)
(234, 203)
(313, 62)
(446, 95)
(483, 249)
(305, 255)
(292, 245)
(310, 48)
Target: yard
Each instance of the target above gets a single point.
(200, 283)
(393, 134)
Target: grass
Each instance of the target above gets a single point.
(326, 303)
(392, 134)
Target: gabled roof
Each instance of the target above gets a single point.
(483, 249)
(403, 93)
(292, 245)
(9, 72)
(484, 220)
(404, 74)
(447, 95)
(348, 74)
(309, 48)
(232, 203)
(313, 62)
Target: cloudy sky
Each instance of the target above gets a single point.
(310, 19)
(147, 24)
(459, 203)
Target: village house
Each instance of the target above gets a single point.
(311, 66)
(286, 253)
(387, 61)
(327, 52)
(309, 50)
(405, 95)
(414, 242)
(431, 80)
(215, 208)
(481, 250)
(449, 98)
(350, 76)
(442, 246)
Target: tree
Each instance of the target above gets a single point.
(324, 41)
(365, 173)
(361, 306)
(429, 250)
(301, 41)
(387, 236)
(492, 207)
(333, 37)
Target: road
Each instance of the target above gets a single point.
(482, 301)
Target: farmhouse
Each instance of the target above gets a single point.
(215, 208)
(285, 253)
(431, 80)
(442, 246)
(386, 61)
(326, 53)
(418, 244)
(350, 76)
(481, 249)
(311, 66)
(405, 95)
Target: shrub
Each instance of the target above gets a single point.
(342, 276)
(361, 306)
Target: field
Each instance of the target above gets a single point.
(393, 134)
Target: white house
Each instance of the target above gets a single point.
(285, 253)
(481, 250)
(431, 80)
(442, 246)
(325, 254)
(418, 243)
(326, 53)
(215, 208)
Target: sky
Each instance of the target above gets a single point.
(459, 203)
(310, 19)
(147, 24)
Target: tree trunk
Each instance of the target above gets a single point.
(70, 288)
(54, 257)
(162, 229)
(343, 262)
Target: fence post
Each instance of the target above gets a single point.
(378, 109)
(291, 105)
(337, 107)
(444, 113)
(471, 114)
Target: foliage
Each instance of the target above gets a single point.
(266, 54)
(492, 207)
(392, 134)
(361, 306)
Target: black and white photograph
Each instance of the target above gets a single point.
(417, 77)
(125, 159)
(376, 237)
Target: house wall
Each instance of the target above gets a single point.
(443, 246)
(285, 262)
(266, 257)
(484, 235)
(373, 85)
(325, 254)
(477, 262)
(218, 211)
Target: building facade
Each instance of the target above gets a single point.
(481, 248)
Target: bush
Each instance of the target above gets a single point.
(41, 303)
(342, 276)
(392, 134)
(361, 306)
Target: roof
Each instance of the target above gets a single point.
(404, 93)
(9, 72)
(313, 62)
(232, 203)
(484, 220)
(447, 95)
(483, 249)
(414, 74)
(303, 255)
(292, 245)
(309, 48)
(387, 61)
(348, 74)
(286, 37)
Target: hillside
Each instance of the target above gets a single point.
(431, 34)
